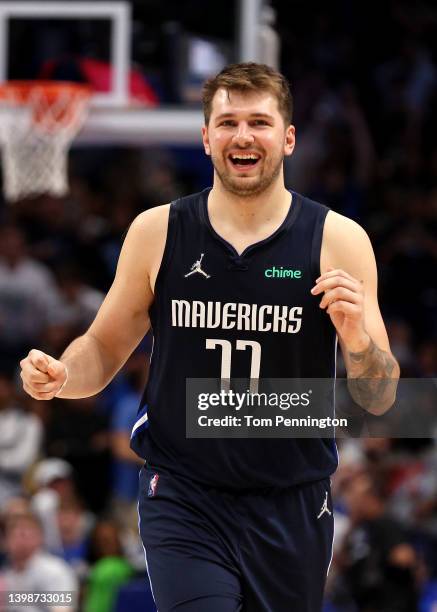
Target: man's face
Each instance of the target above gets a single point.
(247, 140)
(22, 541)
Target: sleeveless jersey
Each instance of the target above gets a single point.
(206, 290)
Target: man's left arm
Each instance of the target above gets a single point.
(348, 286)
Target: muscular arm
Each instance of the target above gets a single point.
(91, 365)
(350, 284)
(372, 378)
(92, 360)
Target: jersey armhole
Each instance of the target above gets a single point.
(316, 246)
(169, 246)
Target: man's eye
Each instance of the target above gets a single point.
(227, 123)
(260, 122)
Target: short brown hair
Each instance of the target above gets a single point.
(249, 77)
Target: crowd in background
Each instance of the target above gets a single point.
(364, 91)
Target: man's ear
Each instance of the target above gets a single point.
(205, 139)
(290, 140)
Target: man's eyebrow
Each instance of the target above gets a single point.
(227, 115)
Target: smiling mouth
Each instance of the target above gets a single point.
(244, 160)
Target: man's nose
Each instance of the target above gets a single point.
(243, 136)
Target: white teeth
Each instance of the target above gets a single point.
(249, 156)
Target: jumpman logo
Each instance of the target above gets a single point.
(197, 267)
(325, 507)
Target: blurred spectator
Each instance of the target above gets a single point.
(160, 181)
(334, 163)
(13, 507)
(427, 359)
(377, 562)
(126, 463)
(27, 295)
(20, 440)
(109, 568)
(400, 335)
(74, 526)
(346, 169)
(53, 479)
(78, 432)
(406, 83)
(79, 302)
(49, 227)
(31, 569)
(412, 484)
(110, 244)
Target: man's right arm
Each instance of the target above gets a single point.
(92, 360)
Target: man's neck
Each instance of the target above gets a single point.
(249, 212)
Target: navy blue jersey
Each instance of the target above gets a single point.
(206, 292)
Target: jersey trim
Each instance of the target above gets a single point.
(170, 241)
(142, 419)
(292, 214)
(316, 246)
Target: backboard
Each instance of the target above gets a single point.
(113, 119)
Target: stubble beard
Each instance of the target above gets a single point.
(246, 188)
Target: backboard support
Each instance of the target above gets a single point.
(118, 13)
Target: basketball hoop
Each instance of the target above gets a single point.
(38, 121)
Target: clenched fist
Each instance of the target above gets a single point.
(343, 300)
(43, 376)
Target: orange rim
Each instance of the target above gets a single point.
(20, 91)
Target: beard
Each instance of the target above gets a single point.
(248, 186)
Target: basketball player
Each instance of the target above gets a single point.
(234, 524)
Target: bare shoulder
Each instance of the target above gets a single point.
(346, 245)
(339, 227)
(152, 221)
(148, 231)
(146, 239)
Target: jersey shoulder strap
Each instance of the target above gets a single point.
(182, 211)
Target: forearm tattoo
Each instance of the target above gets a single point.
(370, 380)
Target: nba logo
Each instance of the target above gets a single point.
(152, 485)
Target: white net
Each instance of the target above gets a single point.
(36, 130)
